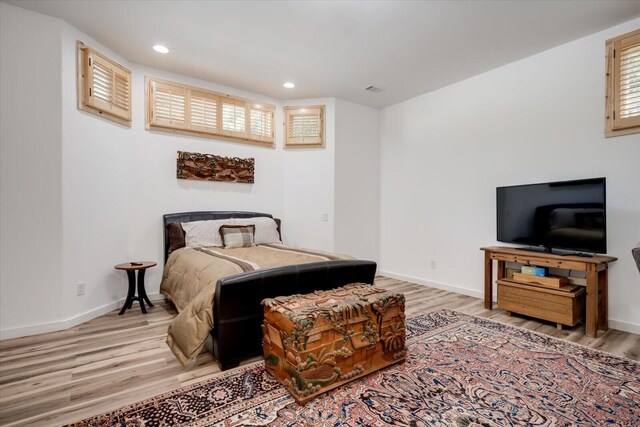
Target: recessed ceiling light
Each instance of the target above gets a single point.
(289, 85)
(160, 49)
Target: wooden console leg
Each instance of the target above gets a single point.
(488, 281)
(501, 265)
(559, 326)
(603, 301)
(591, 316)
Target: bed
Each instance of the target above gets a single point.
(236, 311)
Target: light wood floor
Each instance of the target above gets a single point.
(111, 361)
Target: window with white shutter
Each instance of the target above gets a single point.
(196, 111)
(623, 85)
(204, 112)
(234, 117)
(304, 126)
(168, 105)
(261, 122)
(104, 87)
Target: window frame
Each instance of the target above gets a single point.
(219, 133)
(315, 142)
(94, 105)
(612, 125)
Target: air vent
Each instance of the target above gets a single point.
(372, 89)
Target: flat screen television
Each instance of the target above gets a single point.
(567, 215)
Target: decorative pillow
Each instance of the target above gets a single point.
(176, 236)
(204, 233)
(238, 236)
(266, 229)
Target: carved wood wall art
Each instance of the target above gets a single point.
(209, 167)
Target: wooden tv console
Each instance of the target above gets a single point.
(595, 267)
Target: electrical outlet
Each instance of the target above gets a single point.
(80, 288)
(433, 265)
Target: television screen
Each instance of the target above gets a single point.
(564, 215)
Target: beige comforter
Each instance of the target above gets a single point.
(189, 281)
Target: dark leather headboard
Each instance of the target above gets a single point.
(204, 216)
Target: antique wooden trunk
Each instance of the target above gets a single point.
(316, 342)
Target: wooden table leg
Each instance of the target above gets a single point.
(142, 292)
(488, 281)
(603, 300)
(500, 270)
(591, 316)
(501, 265)
(130, 293)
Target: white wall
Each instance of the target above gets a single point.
(535, 120)
(130, 182)
(153, 169)
(308, 183)
(357, 180)
(119, 181)
(87, 193)
(93, 192)
(30, 169)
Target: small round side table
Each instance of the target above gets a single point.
(131, 268)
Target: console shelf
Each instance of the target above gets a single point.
(596, 289)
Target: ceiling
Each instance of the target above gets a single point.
(335, 49)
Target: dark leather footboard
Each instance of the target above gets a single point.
(238, 313)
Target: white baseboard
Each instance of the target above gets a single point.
(613, 324)
(432, 284)
(61, 325)
(624, 326)
(96, 312)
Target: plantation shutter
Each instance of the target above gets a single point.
(304, 126)
(168, 105)
(622, 101)
(200, 112)
(234, 118)
(122, 93)
(108, 86)
(626, 82)
(261, 123)
(204, 112)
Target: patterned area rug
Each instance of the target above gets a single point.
(460, 371)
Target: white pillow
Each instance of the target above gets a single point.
(204, 233)
(266, 229)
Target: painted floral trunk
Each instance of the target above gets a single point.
(316, 342)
